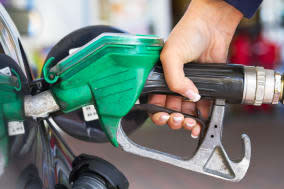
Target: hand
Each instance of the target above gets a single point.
(204, 35)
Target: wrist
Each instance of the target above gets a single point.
(216, 13)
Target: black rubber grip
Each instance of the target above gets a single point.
(214, 81)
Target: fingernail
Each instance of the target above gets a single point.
(178, 119)
(193, 96)
(190, 124)
(164, 117)
(195, 137)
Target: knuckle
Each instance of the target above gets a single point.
(174, 107)
(176, 88)
(163, 56)
(189, 111)
(157, 103)
(166, 52)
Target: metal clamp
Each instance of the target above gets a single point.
(210, 158)
(40, 105)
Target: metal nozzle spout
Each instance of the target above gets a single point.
(40, 105)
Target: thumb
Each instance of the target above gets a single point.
(175, 77)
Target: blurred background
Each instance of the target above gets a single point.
(258, 41)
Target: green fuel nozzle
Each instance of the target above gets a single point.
(114, 70)
(109, 72)
(11, 109)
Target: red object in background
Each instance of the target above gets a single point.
(241, 50)
(257, 52)
(265, 53)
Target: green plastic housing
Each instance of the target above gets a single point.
(109, 72)
(11, 109)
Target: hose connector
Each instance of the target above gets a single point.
(262, 86)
